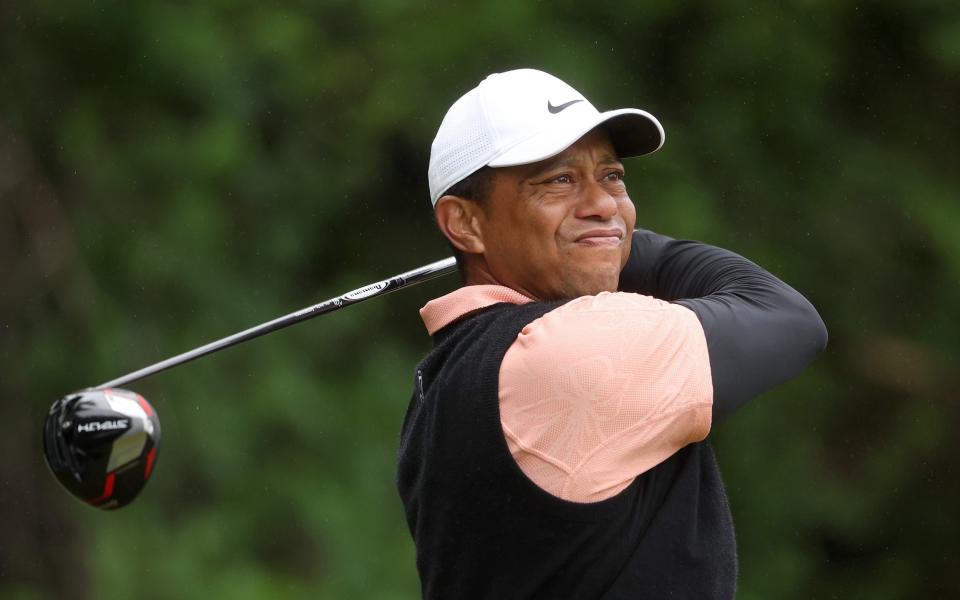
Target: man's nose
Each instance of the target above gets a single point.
(596, 203)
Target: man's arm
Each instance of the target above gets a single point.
(760, 332)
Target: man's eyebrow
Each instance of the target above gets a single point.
(537, 169)
(608, 159)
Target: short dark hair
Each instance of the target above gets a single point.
(476, 188)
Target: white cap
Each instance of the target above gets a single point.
(524, 116)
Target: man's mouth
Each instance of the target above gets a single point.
(600, 237)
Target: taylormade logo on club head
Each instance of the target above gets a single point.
(103, 425)
(555, 109)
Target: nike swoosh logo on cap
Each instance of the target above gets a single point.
(555, 109)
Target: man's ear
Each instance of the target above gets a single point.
(457, 219)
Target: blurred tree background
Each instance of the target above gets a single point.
(171, 172)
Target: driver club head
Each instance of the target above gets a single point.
(102, 445)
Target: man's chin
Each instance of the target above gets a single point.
(591, 284)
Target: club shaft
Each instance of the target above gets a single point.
(392, 284)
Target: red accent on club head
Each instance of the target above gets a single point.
(107, 489)
(150, 456)
(145, 405)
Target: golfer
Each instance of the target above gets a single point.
(557, 441)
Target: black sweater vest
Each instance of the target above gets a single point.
(482, 529)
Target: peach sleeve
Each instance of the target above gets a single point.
(602, 389)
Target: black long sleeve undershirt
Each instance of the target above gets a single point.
(760, 332)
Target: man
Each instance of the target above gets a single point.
(555, 444)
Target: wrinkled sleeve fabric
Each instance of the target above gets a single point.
(760, 332)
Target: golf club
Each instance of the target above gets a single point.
(101, 442)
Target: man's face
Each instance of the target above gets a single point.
(559, 228)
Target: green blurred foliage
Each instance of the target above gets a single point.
(173, 172)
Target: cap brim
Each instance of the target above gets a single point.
(632, 131)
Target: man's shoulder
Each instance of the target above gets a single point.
(617, 328)
(616, 301)
(615, 310)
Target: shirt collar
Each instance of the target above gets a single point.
(440, 312)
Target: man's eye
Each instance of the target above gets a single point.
(562, 179)
(615, 176)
